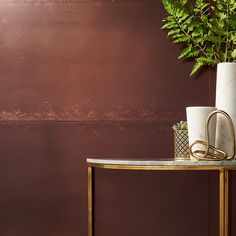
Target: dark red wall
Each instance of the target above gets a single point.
(91, 60)
(95, 78)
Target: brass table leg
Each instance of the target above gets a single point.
(224, 201)
(90, 201)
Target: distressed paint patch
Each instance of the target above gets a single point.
(50, 3)
(76, 114)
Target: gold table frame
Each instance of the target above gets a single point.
(223, 171)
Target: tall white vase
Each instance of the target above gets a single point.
(225, 100)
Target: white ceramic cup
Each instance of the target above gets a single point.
(197, 118)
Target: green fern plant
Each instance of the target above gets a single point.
(207, 29)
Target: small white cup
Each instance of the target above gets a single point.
(197, 118)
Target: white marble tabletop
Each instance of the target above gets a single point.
(158, 162)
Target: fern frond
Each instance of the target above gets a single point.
(207, 30)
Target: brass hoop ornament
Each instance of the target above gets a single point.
(212, 153)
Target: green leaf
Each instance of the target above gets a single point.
(214, 39)
(188, 52)
(206, 60)
(183, 2)
(182, 39)
(217, 30)
(185, 52)
(183, 16)
(190, 28)
(232, 36)
(222, 16)
(196, 67)
(197, 32)
(169, 6)
(177, 36)
(201, 39)
(233, 53)
(169, 25)
(173, 31)
(200, 6)
(219, 6)
(170, 19)
(232, 21)
(194, 53)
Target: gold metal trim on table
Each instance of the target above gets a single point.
(223, 187)
(158, 167)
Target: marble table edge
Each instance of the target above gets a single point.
(152, 162)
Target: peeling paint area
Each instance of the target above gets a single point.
(49, 3)
(76, 114)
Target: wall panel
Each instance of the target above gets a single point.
(108, 68)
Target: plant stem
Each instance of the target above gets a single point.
(216, 56)
(190, 37)
(227, 31)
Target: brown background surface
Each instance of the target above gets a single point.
(95, 78)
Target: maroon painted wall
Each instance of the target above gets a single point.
(91, 60)
(95, 78)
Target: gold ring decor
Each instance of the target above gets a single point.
(212, 153)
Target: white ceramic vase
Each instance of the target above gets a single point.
(197, 118)
(226, 101)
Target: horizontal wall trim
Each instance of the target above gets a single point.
(140, 115)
